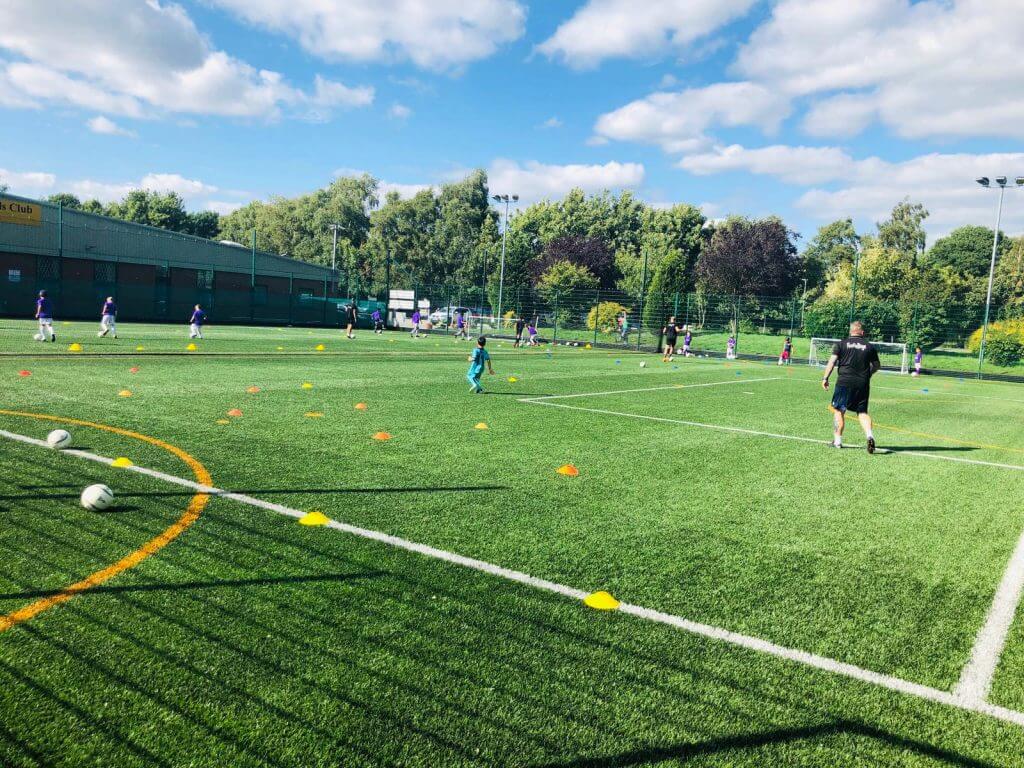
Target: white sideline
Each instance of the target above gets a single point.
(954, 699)
(976, 678)
(742, 430)
(650, 389)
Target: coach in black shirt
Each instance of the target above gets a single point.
(857, 361)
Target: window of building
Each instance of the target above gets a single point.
(48, 268)
(204, 279)
(105, 272)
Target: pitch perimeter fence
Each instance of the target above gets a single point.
(948, 335)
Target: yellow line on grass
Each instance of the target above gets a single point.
(947, 438)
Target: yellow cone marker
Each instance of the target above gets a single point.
(314, 518)
(140, 348)
(223, 421)
(314, 415)
(320, 347)
(191, 348)
(360, 406)
(121, 461)
(481, 425)
(306, 385)
(280, 349)
(125, 393)
(588, 346)
(76, 347)
(569, 470)
(252, 390)
(512, 379)
(601, 601)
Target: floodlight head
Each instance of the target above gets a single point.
(983, 181)
(515, 198)
(1020, 181)
(497, 198)
(1001, 181)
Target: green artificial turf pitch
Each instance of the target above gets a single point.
(252, 640)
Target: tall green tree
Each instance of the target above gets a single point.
(299, 227)
(750, 258)
(834, 245)
(904, 231)
(967, 250)
(65, 200)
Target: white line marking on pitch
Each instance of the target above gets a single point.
(761, 433)
(704, 630)
(647, 389)
(976, 678)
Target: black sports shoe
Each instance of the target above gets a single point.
(871, 445)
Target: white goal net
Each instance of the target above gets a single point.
(892, 355)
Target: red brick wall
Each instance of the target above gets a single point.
(276, 286)
(78, 270)
(27, 265)
(231, 281)
(136, 274)
(183, 278)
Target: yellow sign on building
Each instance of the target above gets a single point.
(20, 212)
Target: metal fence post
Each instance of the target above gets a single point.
(643, 293)
(554, 332)
(736, 321)
(597, 313)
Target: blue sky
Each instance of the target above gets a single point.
(811, 109)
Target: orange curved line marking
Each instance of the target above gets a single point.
(151, 547)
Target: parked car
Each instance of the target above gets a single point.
(446, 315)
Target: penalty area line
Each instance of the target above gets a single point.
(804, 658)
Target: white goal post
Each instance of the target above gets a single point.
(891, 354)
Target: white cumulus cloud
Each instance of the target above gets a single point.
(399, 111)
(433, 34)
(797, 165)
(534, 181)
(678, 121)
(106, 126)
(604, 29)
(927, 68)
(140, 59)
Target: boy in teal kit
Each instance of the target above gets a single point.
(477, 361)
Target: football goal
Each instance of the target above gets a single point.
(893, 356)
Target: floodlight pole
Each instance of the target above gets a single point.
(334, 252)
(853, 292)
(506, 199)
(991, 274)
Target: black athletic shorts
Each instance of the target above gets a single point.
(671, 340)
(854, 399)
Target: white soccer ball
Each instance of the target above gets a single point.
(97, 497)
(643, 364)
(39, 337)
(59, 438)
(914, 373)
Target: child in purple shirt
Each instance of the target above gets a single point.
(108, 317)
(195, 323)
(44, 314)
(415, 332)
